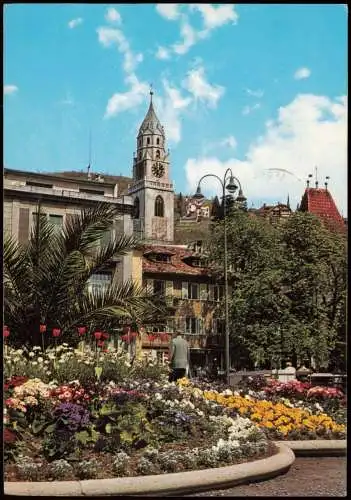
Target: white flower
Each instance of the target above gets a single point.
(61, 361)
(40, 360)
(227, 392)
(34, 363)
(19, 351)
(31, 354)
(158, 396)
(36, 348)
(65, 345)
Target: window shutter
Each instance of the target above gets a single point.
(23, 225)
(211, 292)
(169, 288)
(184, 290)
(203, 291)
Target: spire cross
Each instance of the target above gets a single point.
(151, 91)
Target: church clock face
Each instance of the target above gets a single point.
(158, 169)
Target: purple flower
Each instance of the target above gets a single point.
(74, 416)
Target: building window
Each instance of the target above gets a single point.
(216, 292)
(159, 287)
(139, 156)
(136, 209)
(139, 143)
(157, 153)
(148, 140)
(162, 257)
(193, 291)
(159, 206)
(99, 282)
(193, 326)
(57, 220)
(218, 326)
(157, 141)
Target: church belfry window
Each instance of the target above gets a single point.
(157, 153)
(159, 206)
(158, 141)
(148, 140)
(136, 208)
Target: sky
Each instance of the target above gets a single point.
(258, 88)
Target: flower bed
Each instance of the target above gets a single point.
(77, 414)
(290, 411)
(134, 424)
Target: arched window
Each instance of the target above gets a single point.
(159, 206)
(148, 140)
(139, 156)
(139, 143)
(157, 153)
(158, 141)
(136, 208)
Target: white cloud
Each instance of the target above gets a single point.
(171, 108)
(195, 82)
(249, 109)
(123, 101)
(213, 17)
(311, 130)
(113, 16)
(168, 10)
(110, 36)
(162, 53)
(10, 89)
(75, 22)
(189, 38)
(255, 93)
(302, 73)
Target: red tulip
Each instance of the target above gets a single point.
(81, 330)
(98, 335)
(100, 343)
(134, 335)
(56, 332)
(42, 328)
(6, 332)
(105, 335)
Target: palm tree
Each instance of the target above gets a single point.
(45, 281)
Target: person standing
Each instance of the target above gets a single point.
(179, 357)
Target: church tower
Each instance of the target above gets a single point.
(152, 190)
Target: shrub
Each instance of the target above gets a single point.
(86, 469)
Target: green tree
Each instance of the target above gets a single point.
(288, 287)
(45, 281)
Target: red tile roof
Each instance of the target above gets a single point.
(320, 202)
(176, 265)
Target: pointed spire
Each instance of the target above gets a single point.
(288, 202)
(151, 122)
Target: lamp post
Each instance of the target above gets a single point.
(231, 187)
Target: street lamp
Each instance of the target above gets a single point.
(228, 184)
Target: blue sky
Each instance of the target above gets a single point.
(246, 86)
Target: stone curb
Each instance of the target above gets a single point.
(318, 447)
(164, 484)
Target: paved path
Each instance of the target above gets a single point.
(307, 477)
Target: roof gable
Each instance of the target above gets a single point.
(320, 202)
